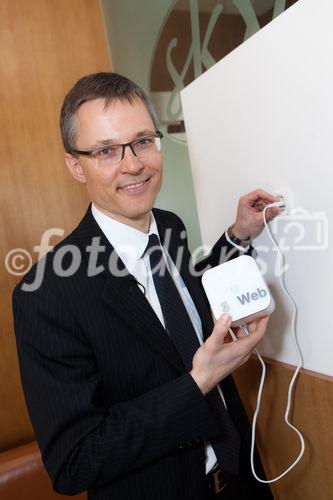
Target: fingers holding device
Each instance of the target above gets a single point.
(250, 210)
(217, 358)
(260, 205)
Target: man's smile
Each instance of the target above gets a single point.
(134, 186)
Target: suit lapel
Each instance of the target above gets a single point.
(121, 293)
(128, 301)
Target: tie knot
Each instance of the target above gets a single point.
(153, 244)
(155, 254)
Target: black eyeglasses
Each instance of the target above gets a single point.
(113, 154)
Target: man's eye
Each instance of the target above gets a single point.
(145, 141)
(106, 152)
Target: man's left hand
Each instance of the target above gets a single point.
(249, 220)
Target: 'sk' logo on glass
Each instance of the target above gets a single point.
(193, 37)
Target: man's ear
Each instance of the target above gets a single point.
(75, 168)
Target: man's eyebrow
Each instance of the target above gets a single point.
(144, 133)
(109, 142)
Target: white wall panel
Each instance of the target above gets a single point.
(263, 117)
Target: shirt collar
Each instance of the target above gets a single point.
(128, 242)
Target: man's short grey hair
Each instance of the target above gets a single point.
(108, 86)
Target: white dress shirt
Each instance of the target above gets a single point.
(130, 244)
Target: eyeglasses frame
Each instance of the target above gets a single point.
(158, 135)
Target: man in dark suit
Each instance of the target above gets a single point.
(127, 380)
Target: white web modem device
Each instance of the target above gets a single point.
(237, 287)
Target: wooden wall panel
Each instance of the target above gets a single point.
(45, 46)
(279, 446)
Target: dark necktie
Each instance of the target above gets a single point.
(181, 331)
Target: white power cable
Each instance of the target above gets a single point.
(263, 374)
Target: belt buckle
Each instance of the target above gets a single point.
(220, 480)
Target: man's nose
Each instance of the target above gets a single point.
(130, 160)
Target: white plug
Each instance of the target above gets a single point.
(280, 203)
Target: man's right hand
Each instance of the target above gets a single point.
(218, 357)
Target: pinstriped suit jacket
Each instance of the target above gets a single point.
(112, 406)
